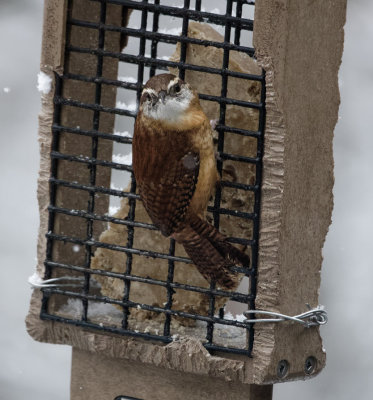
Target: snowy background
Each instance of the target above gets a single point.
(40, 371)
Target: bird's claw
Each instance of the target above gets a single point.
(213, 123)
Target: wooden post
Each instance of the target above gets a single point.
(96, 376)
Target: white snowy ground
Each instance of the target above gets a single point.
(41, 371)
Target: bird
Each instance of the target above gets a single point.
(174, 164)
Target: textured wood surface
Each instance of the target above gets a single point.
(300, 46)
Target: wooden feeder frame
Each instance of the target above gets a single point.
(299, 46)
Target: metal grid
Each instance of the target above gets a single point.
(155, 65)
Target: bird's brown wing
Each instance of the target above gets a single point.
(166, 197)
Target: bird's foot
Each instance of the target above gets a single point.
(213, 123)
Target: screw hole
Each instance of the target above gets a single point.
(282, 368)
(310, 365)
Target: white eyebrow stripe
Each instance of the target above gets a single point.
(172, 83)
(149, 91)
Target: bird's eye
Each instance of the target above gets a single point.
(148, 97)
(175, 89)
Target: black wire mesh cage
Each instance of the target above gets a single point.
(93, 190)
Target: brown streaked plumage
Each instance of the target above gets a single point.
(175, 169)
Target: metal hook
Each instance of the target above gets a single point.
(314, 317)
(37, 282)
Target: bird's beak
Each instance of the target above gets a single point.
(162, 96)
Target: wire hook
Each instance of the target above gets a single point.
(313, 317)
(38, 283)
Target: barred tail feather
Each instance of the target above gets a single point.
(210, 252)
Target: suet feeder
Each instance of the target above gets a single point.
(142, 321)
